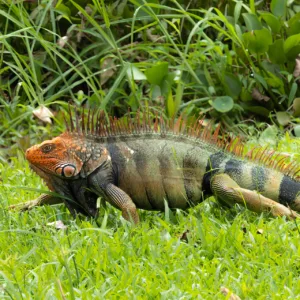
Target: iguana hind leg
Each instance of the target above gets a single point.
(44, 199)
(228, 191)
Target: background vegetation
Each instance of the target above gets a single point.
(235, 61)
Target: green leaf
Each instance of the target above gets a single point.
(64, 11)
(259, 110)
(261, 80)
(258, 41)
(223, 104)
(272, 21)
(156, 74)
(278, 7)
(292, 46)
(294, 25)
(269, 136)
(276, 52)
(293, 93)
(297, 130)
(237, 11)
(296, 107)
(283, 118)
(252, 22)
(232, 85)
(170, 105)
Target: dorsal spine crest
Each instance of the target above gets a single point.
(97, 125)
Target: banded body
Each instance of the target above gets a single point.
(137, 166)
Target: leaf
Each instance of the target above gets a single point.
(223, 104)
(296, 72)
(156, 74)
(258, 41)
(256, 95)
(135, 73)
(108, 69)
(229, 294)
(44, 114)
(296, 107)
(62, 41)
(293, 92)
(64, 12)
(259, 110)
(252, 22)
(276, 52)
(278, 7)
(269, 135)
(294, 25)
(297, 130)
(272, 21)
(170, 105)
(283, 118)
(232, 85)
(292, 46)
(57, 224)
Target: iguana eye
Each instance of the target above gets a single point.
(47, 148)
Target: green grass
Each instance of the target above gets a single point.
(110, 258)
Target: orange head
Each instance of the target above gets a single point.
(66, 156)
(55, 157)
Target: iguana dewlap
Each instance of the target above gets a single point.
(142, 164)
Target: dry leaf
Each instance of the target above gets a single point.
(259, 231)
(225, 291)
(155, 38)
(62, 41)
(244, 228)
(109, 68)
(57, 224)
(44, 114)
(258, 96)
(296, 72)
(184, 236)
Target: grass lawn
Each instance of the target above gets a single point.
(254, 256)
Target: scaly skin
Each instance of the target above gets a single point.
(142, 169)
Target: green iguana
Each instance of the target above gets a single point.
(144, 162)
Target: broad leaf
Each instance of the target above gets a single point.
(278, 7)
(292, 46)
(252, 22)
(283, 118)
(297, 130)
(296, 107)
(223, 104)
(232, 85)
(272, 21)
(258, 41)
(156, 74)
(294, 25)
(276, 52)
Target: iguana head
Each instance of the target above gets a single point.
(66, 156)
(54, 156)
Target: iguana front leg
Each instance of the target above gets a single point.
(121, 200)
(44, 199)
(227, 190)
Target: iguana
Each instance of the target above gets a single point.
(143, 162)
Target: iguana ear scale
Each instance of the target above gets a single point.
(68, 170)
